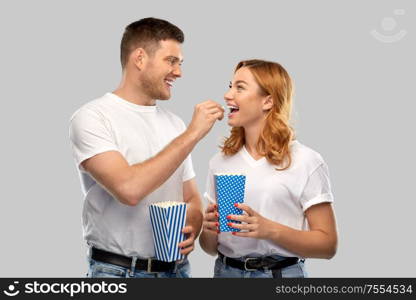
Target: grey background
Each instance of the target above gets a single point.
(354, 104)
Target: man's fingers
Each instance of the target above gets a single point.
(210, 103)
(187, 242)
(213, 108)
(215, 111)
(187, 250)
(187, 229)
(219, 115)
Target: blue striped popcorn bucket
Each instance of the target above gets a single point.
(168, 220)
(229, 189)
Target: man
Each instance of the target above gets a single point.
(130, 153)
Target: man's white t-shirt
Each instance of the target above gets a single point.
(281, 196)
(138, 132)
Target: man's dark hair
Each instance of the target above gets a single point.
(147, 33)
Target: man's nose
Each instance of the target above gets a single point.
(177, 71)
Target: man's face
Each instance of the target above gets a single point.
(162, 69)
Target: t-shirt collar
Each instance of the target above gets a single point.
(251, 161)
(132, 106)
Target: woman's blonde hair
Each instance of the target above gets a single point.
(275, 138)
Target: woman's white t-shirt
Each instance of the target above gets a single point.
(281, 196)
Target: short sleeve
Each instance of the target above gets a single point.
(317, 189)
(209, 194)
(188, 169)
(89, 135)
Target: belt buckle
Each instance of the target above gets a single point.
(224, 259)
(245, 264)
(149, 265)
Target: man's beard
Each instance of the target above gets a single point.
(153, 88)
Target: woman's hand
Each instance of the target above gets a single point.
(209, 236)
(211, 215)
(256, 225)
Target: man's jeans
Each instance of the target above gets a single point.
(99, 269)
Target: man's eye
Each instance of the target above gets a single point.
(239, 88)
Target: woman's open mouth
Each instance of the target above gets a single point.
(233, 110)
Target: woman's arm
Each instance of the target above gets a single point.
(193, 216)
(209, 235)
(319, 242)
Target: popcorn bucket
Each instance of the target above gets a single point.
(168, 220)
(229, 190)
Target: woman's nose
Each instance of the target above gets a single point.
(228, 95)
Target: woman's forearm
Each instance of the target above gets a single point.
(308, 244)
(209, 242)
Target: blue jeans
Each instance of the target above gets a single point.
(98, 269)
(224, 271)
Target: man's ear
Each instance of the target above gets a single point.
(268, 102)
(138, 57)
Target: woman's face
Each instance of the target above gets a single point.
(247, 106)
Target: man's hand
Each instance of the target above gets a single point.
(187, 245)
(204, 117)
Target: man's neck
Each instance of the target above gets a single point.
(133, 95)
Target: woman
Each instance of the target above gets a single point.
(287, 208)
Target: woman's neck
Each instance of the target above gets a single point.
(252, 134)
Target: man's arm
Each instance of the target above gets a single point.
(193, 215)
(130, 184)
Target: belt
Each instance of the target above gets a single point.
(258, 263)
(149, 265)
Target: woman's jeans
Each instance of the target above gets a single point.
(98, 269)
(224, 271)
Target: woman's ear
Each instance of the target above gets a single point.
(268, 102)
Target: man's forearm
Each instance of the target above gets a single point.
(147, 176)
